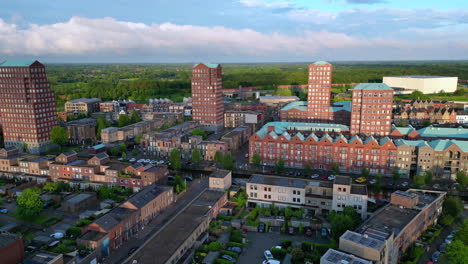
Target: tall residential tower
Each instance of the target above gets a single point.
(319, 92)
(207, 96)
(27, 105)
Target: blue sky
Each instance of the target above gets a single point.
(233, 30)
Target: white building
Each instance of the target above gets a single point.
(425, 84)
(345, 193)
(462, 117)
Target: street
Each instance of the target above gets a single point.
(119, 255)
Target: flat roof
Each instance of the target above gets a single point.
(391, 218)
(372, 86)
(420, 76)
(42, 257)
(169, 239)
(360, 189)
(219, 173)
(363, 239)
(278, 181)
(333, 256)
(17, 63)
(7, 238)
(92, 235)
(343, 180)
(79, 198)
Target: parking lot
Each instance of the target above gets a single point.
(257, 243)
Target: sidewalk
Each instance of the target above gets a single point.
(120, 254)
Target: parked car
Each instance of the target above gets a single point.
(323, 232)
(435, 256)
(54, 243)
(331, 177)
(261, 227)
(132, 160)
(227, 257)
(443, 248)
(361, 180)
(57, 235)
(4, 211)
(308, 231)
(373, 181)
(246, 155)
(237, 250)
(189, 178)
(268, 254)
(132, 250)
(271, 261)
(315, 176)
(291, 230)
(391, 183)
(436, 186)
(324, 177)
(454, 186)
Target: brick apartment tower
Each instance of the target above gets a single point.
(207, 96)
(27, 105)
(371, 110)
(319, 92)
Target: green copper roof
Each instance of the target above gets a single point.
(209, 65)
(302, 106)
(415, 143)
(403, 130)
(282, 127)
(442, 144)
(445, 132)
(341, 105)
(299, 105)
(16, 63)
(320, 63)
(372, 86)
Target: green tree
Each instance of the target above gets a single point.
(256, 160)
(138, 139)
(50, 187)
(123, 147)
(297, 255)
(175, 159)
(101, 124)
(228, 162)
(124, 155)
(115, 151)
(462, 179)
(457, 253)
(218, 157)
(30, 203)
(59, 135)
(301, 229)
(24, 146)
(279, 166)
(196, 155)
(339, 224)
(395, 175)
(351, 212)
(199, 132)
(123, 120)
(418, 95)
(134, 117)
(74, 231)
(419, 180)
(336, 168)
(307, 169)
(134, 152)
(427, 177)
(462, 233)
(364, 172)
(453, 206)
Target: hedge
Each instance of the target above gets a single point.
(235, 244)
(307, 246)
(223, 261)
(230, 253)
(214, 246)
(279, 253)
(285, 243)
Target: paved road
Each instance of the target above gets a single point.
(119, 255)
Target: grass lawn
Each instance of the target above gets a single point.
(40, 219)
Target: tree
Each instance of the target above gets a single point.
(462, 179)
(196, 155)
(124, 155)
(30, 203)
(74, 231)
(364, 172)
(218, 157)
(395, 175)
(307, 169)
(199, 132)
(378, 183)
(418, 95)
(101, 124)
(279, 166)
(123, 120)
(123, 147)
(355, 216)
(50, 187)
(457, 253)
(256, 160)
(24, 146)
(453, 206)
(339, 224)
(336, 168)
(462, 233)
(419, 180)
(138, 139)
(297, 255)
(115, 151)
(228, 162)
(135, 117)
(427, 177)
(301, 229)
(134, 152)
(174, 158)
(59, 135)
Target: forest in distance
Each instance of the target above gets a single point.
(140, 82)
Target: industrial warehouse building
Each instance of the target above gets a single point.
(425, 84)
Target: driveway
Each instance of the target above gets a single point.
(257, 243)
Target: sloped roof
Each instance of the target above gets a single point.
(403, 130)
(299, 105)
(442, 144)
(281, 127)
(147, 195)
(341, 105)
(445, 132)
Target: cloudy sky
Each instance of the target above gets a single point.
(157, 31)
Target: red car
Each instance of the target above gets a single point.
(324, 177)
(308, 231)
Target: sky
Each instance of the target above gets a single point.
(237, 31)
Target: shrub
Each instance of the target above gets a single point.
(285, 243)
(230, 253)
(321, 248)
(224, 217)
(203, 248)
(297, 255)
(279, 253)
(215, 246)
(235, 244)
(223, 261)
(236, 238)
(74, 231)
(306, 246)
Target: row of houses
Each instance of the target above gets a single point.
(113, 134)
(322, 146)
(420, 116)
(95, 171)
(388, 233)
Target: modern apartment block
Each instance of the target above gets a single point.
(319, 91)
(81, 130)
(83, 105)
(371, 111)
(317, 197)
(386, 235)
(207, 96)
(27, 105)
(113, 134)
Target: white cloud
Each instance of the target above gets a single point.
(265, 4)
(88, 37)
